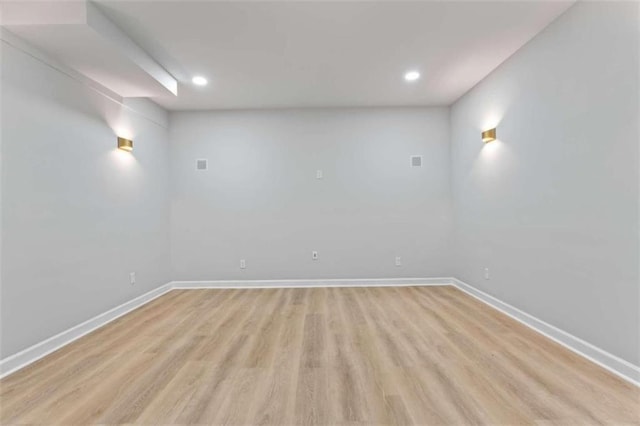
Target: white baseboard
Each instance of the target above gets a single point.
(27, 356)
(614, 364)
(308, 283)
(618, 366)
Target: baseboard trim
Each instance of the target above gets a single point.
(610, 362)
(30, 355)
(604, 359)
(311, 283)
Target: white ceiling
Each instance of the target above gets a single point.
(327, 53)
(319, 53)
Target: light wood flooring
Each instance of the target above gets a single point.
(325, 356)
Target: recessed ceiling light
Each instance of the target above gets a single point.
(198, 80)
(412, 75)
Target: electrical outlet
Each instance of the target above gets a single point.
(132, 278)
(398, 261)
(314, 255)
(486, 274)
(243, 264)
(319, 174)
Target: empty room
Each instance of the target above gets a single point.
(319, 212)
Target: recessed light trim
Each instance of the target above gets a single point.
(199, 80)
(412, 75)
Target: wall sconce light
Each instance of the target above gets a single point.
(125, 144)
(489, 135)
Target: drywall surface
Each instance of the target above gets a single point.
(260, 198)
(551, 207)
(77, 214)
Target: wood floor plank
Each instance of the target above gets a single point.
(274, 404)
(316, 356)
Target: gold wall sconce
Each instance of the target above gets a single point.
(125, 144)
(489, 135)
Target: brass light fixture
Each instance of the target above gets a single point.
(125, 144)
(489, 135)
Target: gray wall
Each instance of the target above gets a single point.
(77, 215)
(552, 207)
(260, 199)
